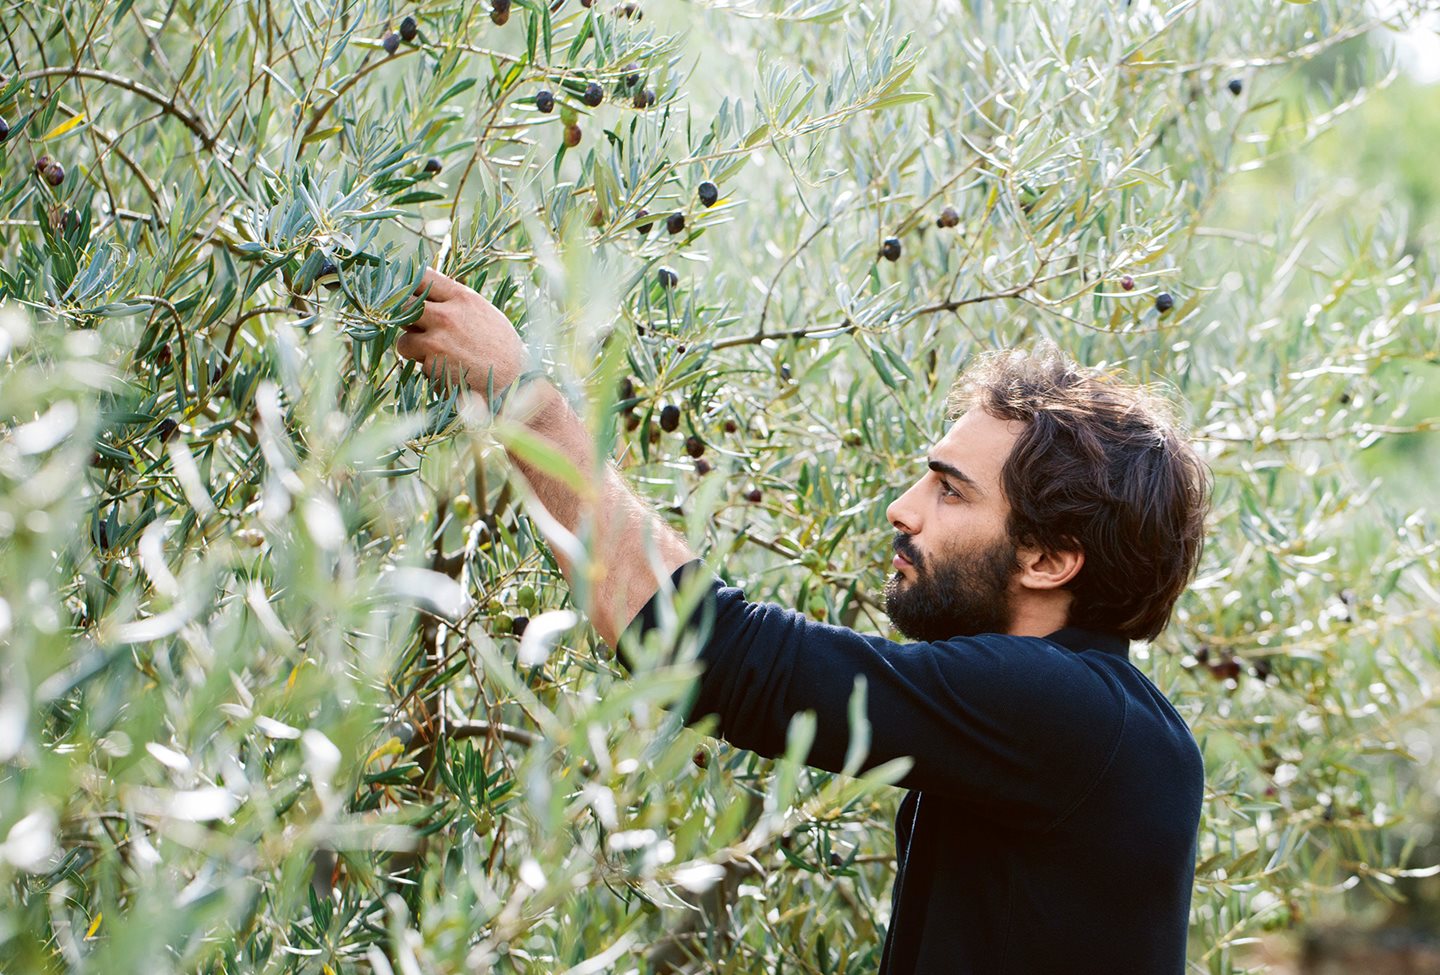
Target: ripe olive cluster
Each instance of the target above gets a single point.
(708, 194)
(1225, 666)
(592, 95)
(409, 30)
(669, 418)
(891, 248)
(50, 170)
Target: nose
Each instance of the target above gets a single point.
(903, 514)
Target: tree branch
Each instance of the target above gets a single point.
(150, 94)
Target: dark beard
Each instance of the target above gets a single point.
(963, 595)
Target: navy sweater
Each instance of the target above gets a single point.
(1050, 823)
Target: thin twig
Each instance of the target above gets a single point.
(76, 71)
(461, 730)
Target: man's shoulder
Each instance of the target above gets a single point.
(1040, 654)
(1048, 680)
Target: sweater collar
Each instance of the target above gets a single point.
(1080, 639)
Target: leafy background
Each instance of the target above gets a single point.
(290, 680)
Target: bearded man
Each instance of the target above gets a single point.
(1053, 793)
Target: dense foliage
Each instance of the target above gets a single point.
(266, 703)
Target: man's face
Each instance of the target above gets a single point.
(954, 561)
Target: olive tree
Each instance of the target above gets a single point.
(291, 679)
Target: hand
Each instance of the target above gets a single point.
(461, 337)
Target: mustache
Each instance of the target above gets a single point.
(906, 550)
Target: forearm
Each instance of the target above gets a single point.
(621, 579)
(459, 336)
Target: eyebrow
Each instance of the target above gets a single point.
(950, 470)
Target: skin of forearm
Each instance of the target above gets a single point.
(459, 336)
(622, 578)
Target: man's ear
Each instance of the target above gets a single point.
(1041, 569)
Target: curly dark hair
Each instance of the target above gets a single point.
(1103, 466)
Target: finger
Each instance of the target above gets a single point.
(411, 345)
(434, 364)
(441, 287)
(429, 316)
(407, 310)
(410, 314)
(441, 369)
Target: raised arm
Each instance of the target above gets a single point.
(461, 335)
(1015, 725)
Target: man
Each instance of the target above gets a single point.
(1054, 797)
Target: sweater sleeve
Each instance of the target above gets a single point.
(1019, 728)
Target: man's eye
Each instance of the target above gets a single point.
(947, 490)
